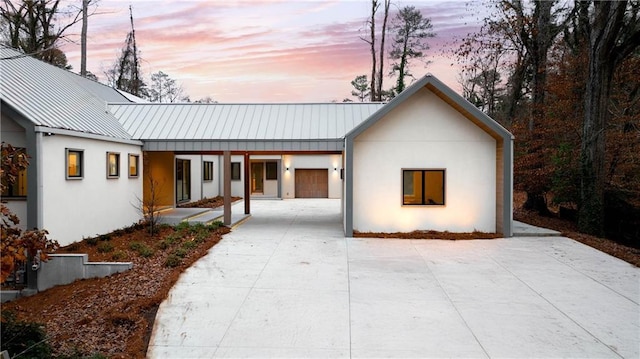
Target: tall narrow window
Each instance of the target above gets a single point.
(113, 165)
(235, 171)
(133, 165)
(19, 187)
(423, 187)
(207, 171)
(272, 171)
(75, 164)
(183, 180)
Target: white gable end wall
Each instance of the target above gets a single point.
(424, 132)
(77, 208)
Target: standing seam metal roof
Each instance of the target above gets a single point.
(52, 97)
(253, 122)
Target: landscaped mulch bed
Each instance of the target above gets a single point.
(114, 316)
(213, 202)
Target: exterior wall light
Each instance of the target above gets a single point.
(287, 169)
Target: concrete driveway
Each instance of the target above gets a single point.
(288, 284)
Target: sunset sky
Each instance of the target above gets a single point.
(261, 50)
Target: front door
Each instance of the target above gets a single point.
(257, 172)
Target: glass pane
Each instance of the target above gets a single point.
(113, 164)
(73, 164)
(434, 189)
(272, 171)
(412, 187)
(235, 170)
(133, 165)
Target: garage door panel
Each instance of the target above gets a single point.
(312, 183)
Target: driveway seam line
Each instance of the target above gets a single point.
(253, 286)
(451, 301)
(553, 305)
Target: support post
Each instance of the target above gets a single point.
(247, 183)
(227, 188)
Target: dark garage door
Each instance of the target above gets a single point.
(312, 183)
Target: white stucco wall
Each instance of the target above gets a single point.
(330, 162)
(77, 208)
(424, 133)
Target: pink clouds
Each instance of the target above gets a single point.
(248, 51)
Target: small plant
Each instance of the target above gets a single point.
(92, 241)
(105, 247)
(172, 261)
(73, 247)
(142, 249)
(118, 255)
(105, 237)
(182, 227)
(189, 245)
(215, 225)
(24, 338)
(180, 252)
(168, 241)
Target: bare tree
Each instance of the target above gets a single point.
(36, 27)
(83, 38)
(377, 68)
(125, 74)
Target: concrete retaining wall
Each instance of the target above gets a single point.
(66, 268)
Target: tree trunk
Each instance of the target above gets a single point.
(387, 4)
(83, 40)
(607, 23)
(538, 203)
(372, 22)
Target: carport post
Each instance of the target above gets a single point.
(247, 184)
(227, 187)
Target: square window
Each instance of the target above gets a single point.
(423, 187)
(235, 171)
(207, 171)
(75, 164)
(272, 170)
(133, 165)
(113, 165)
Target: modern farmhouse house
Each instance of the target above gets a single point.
(427, 160)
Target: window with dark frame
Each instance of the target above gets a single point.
(113, 165)
(272, 171)
(235, 171)
(207, 171)
(133, 165)
(423, 187)
(75, 164)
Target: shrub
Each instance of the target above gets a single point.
(182, 227)
(105, 247)
(142, 249)
(215, 225)
(181, 252)
(27, 339)
(189, 245)
(172, 261)
(118, 255)
(92, 241)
